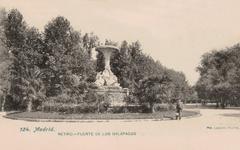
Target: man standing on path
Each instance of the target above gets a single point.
(179, 109)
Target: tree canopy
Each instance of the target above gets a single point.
(220, 76)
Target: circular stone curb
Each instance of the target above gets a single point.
(96, 120)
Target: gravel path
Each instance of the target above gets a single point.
(214, 129)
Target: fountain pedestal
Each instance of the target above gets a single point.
(107, 82)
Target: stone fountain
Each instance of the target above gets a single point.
(107, 82)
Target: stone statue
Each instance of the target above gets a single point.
(106, 77)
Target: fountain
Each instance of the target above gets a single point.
(107, 82)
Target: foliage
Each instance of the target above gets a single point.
(69, 108)
(220, 76)
(60, 41)
(152, 90)
(24, 45)
(164, 107)
(128, 109)
(56, 67)
(4, 62)
(131, 66)
(90, 41)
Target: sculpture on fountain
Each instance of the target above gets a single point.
(106, 77)
(107, 82)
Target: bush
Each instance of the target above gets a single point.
(63, 98)
(11, 104)
(103, 107)
(66, 99)
(86, 108)
(115, 109)
(128, 109)
(130, 99)
(90, 103)
(136, 109)
(90, 97)
(163, 107)
(145, 108)
(172, 106)
(69, 108)
(104, 103)
(36, 105)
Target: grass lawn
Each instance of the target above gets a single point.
(103, 116)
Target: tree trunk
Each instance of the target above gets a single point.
(3, 103)
(29, 106)
(222, 103)
(151, 107)
(217, 105)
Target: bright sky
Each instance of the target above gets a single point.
(175, 32)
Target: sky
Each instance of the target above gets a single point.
(175, 32)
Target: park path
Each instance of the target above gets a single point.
(214, 129)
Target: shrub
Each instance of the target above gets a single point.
(172, 106)
(163, 107)
(103, 107)
(135, 108)
(90, 97)
(86, 108)
(36, 105)
(66, 99)
(11, 104)
(103, 103)
(129, 109)
(69, 108)
(145, 108)
(116, 109)
(90, 103)
(130, 99)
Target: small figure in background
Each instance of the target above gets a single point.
(179, 109)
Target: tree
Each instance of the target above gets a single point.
(59, 60)
(25, 47)
(153, 90)
(35, 91)
(66, 56)
(180, 87)
(121, 65)
(4, 61)
(219, 76)
(60, 40)
(14, 28)
(89, 42)
(14, 32)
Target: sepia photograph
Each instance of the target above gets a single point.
(119, 75)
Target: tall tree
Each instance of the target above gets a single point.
(219, 76)
(121, 65)
(24, 45)
(14, 31)
(4, 61)
(65, 56)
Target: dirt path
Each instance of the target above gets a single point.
(215, 129)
